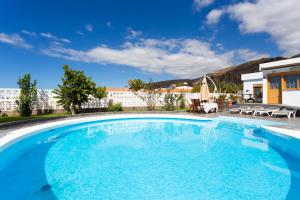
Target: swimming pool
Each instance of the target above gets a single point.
(151, 158)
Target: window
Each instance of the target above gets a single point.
(292, 81)
(275, 82)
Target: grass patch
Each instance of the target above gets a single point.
(18, 118)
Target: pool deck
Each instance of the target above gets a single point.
(292, 124)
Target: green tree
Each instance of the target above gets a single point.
(28, 95)
(76, 89)
(147, 92)
(196, 89)
(229, 87)
(100, 92)
(136, 84)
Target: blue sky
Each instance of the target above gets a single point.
(116, 40)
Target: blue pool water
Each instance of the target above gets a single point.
(150, 159)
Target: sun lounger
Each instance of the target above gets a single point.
(265, 111)
(238, 110)
(284, 112)
(250, 111)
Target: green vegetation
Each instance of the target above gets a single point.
(223, 87)
(115, 107)
(174, 102)
(196, 89)
(28, 95)
(5, 119)
(228, 87)
(136, 84)
(181, 101)
(76, 89)
(169, 101)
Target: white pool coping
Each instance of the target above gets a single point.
(28, 131)
(283, 131)
(21, 133)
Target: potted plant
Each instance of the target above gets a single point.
(221, 100)
(234, 99)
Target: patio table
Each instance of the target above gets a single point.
(208, 106)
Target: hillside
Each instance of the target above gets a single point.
(233, 74)
(230, 74)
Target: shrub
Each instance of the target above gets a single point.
(181, 101)
(169, 101)
(115, 107)
(44, 111)
(4, 115)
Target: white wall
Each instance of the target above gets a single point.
(8, 97)
(46, 99)
(248, 86)
(291, 98)
(252, 76)
(265, 91)
(249, 80)
(268, 65)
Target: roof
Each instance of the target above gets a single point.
(280, 64)
(178, 90)
(252, 76)
(117, 90)
(163, 90)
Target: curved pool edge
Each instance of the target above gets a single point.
(283, 131)
(47, 162)
(21, 133)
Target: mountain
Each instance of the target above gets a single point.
(230, 74)
(233, 74)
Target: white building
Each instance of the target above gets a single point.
(252, 85)
(277, 82)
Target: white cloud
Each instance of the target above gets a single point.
(49, 36)
(220, 46)
(89, 27)
(214, 16)
(280, 19)
(55, 38)
(247, 55)
(198, 4)
(14, 40)
(184, 58)
(179, 57)
(132, 34)
(32, 34)
(80, 33)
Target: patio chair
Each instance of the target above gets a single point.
(284, 112)
(250, 111)
(195, 104)
(265, 111)
(238, 109)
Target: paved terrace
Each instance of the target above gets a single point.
(292, 123)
